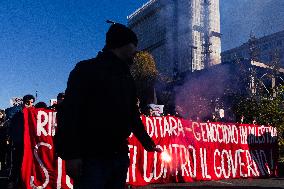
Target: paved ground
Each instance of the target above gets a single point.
(272, 183)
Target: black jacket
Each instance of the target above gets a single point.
(16, 128)
(99, 111)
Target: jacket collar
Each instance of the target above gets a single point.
(112, 59)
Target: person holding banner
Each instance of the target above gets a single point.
(99, 113)
(16, 131)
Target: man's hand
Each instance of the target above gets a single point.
(156, 149)
(73, 168)
(153, 148)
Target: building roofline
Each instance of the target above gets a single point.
(144, 6)
(260, 39)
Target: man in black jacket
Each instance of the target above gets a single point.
(99, 113)
(16, 131)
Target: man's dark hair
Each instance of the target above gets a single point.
(28, 97)
(119, 35)
(41, 105)
(60, 95)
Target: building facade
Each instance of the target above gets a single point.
(241, 17)
(268, 50)
(183, 36)
(229, 80)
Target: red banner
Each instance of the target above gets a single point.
(199, 151)
(203, 151)
(40, 168)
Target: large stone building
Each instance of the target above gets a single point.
(183, 36)
(267, 50)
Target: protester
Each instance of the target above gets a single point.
(96, 89)
(16, 130)
(4, 142)
(41, 105)
(2, 117)
(194, 117)
(148, 111)
(254, 120)
(59, 99)
(214, 117)
(179, 112)
(11, 111)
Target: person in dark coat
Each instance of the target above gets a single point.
(99, 113)
(41, 104)
(59, 99)
(4, 140)
(2, 117)
(16, 130)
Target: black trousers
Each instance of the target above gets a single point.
(17, 158)
(104, 173)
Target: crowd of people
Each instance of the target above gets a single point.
(99, 167)
(11, 131)
(94, 86)
(12, 136)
